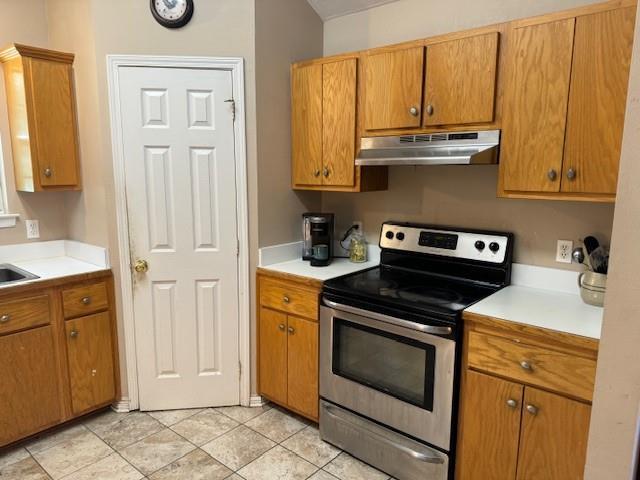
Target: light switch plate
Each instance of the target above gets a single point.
(33, 228)
(563, 251)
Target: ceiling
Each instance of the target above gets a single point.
(336, 8)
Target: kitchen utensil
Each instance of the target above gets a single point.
(600, 260)
(578, 255)
(590, 243)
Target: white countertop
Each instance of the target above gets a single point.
(338, 267)
(54, 259)
(545, 298)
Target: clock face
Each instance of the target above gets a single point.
(172, 13)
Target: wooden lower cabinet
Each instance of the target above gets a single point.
(288, 342)
(512, 427)
(29, 393)
(89, 353)
(54, 369)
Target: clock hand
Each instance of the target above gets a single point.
(170, 3)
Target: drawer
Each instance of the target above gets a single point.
(24, 313)
(533, 365)
(85, 299)
(289, 298)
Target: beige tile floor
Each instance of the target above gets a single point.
(232, 443)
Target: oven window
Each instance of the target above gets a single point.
(392, 364)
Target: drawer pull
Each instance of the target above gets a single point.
(86, 300)
(73, 333)
(286, 299)
(526, 366)
(511, 403)
(532, 409)
(5, 318)
(291, 331)
(281, 326)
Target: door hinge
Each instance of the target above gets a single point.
(233, 108)
(237, 248)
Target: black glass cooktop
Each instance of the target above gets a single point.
(405, 289)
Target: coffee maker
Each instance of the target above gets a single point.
(317, 238)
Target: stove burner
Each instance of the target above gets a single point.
(383, 286)
(436, 295)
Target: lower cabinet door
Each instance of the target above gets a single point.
(90, 356)
(29, 390)
(303, 366)
(491, 410)
(272, 361)
(553, 438)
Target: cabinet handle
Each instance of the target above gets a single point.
(325, 172)
(73, 333)
(316, 173)
(5, 318)
(532, 409)
(291, 330)
(571, 174)
(281, 326)
(429, 109)
(286, 299)
(526, 366)
(552, 175)
(86, 300)
(414, 111)
(511, 403)
(47, 172)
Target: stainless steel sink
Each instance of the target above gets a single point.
(12, 274)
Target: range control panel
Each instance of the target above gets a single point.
(490, 248)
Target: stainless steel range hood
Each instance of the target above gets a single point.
(446, 148)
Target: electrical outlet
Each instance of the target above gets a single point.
(563, 251)
(33, 228)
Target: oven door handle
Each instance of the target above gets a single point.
(423, 457)
(432, 329)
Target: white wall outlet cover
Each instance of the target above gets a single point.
(33, 228)
(564, 250)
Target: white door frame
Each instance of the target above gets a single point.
(236, 67)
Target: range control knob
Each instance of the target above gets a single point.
(479, 245)
(494, 247)
(389, 234)
(400, 236)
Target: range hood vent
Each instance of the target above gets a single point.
(447, 148)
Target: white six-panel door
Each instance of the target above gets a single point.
(178, 140)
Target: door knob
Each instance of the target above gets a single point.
(281, 326)
(532, 409)
(414, 111)
(511, 403)
(86, 300)
(571, 174)
(526, 366)
(73, 333)
(47, 172)
(429, 109)
(552, 175)
(5, 318)
(141, 266)
(291, 330)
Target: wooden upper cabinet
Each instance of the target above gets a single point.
(91, 361)
(597, 101)
(535, 106)
(306, 124)
(42, 118)
(393, 88)
(491, 409)
(553, 438)
(339, 122)
(460, 81)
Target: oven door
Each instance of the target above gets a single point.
(396, 372)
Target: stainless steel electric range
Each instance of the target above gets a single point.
(390, 345)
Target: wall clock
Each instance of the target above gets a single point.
(172, 13)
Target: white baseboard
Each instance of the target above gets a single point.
(121, 406)
(256, 401)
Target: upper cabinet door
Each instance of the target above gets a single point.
(553, 437)
(306, 124)
(597, 102)
(339, 122)
(460, 81)
(393, 89)
(535, 106)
